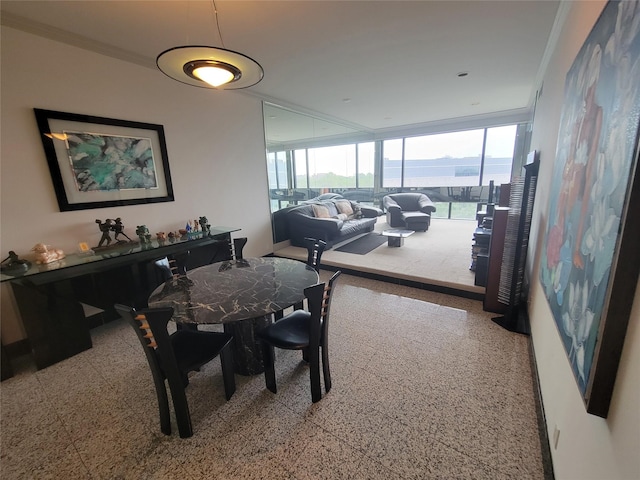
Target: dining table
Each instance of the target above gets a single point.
(242, 295)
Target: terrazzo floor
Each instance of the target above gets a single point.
(425, 386)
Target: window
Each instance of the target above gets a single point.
(459, 164)
(277, 170)
(300, 168)
(366, 164)
(332, 167)
(446, 159)
(392, 163)
(498, 154)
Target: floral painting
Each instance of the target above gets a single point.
(595, 158)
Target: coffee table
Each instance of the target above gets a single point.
(396, 236)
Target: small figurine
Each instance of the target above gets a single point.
(172, 237)
(143, 234)
(47, 254)
(160, 236)
(105, 228)
(187, 227)
(15, 265)
(204, 224)
(196, 226)
(118, 228)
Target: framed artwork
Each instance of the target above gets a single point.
(590, 260)
(100, 162)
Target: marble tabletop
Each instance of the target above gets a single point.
(232, 291)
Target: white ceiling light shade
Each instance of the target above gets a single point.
(210, 67)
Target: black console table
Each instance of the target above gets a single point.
(49, 296)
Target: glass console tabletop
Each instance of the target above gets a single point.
(114, 255)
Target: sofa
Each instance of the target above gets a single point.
(408, 210)
(330, 218)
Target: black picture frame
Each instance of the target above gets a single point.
(98, 162)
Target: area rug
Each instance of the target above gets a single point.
(363, 245)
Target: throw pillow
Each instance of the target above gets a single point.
(344, 206)
(320, 211)
(342, 216)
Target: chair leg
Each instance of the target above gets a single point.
(228, 374)
(325, 370)
(181, 408)
(269, 369)
(305, 354)
(314, 374)
(163, 407)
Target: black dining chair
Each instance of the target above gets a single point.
(238, 246)
(167, 268)
(303, 330)
(172, 357)
(171, 266)
(315, 248)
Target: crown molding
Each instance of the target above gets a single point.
(58, 35)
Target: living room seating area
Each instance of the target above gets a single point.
(330, 218)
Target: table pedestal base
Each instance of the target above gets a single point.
(247, 353)
(395, 241)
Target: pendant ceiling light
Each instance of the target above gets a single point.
(210, 67)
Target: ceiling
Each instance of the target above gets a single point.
(373, 66)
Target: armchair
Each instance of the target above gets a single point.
(408, 210)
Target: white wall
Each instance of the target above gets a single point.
(215, 143)
(589, 447)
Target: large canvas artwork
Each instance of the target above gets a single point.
(588, 269)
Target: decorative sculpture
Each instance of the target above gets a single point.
(47, 254)
(118, 228)
(15, 265)
(108, 226)
(105, 228)
(143, 234)
(204, 224)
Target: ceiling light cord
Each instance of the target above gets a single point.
(215, 13)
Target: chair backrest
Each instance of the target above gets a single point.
(408, 201)
(172, 266)
(319, 299)
(150, 326)
(315, 248)
(238, 245)
(165, 268)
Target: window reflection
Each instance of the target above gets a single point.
(313, 156)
